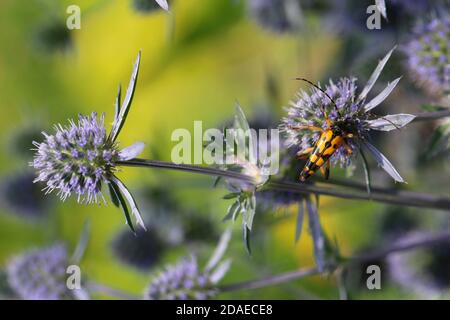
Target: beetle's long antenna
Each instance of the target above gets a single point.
(324, 92)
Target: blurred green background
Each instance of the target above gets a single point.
(196, 62)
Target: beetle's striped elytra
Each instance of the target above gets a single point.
(328, 142)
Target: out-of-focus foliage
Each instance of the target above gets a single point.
(196, 61)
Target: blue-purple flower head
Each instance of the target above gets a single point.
(428, 54)
(80, 157)
(347, 109)
(186, 281)
(77, 159)
(182, 281)
(275, 15)
(41, 274)
(307, 110)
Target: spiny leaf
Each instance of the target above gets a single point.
(232, 211)
(219, 251)
(366, 171)
(113, 195)
(246, 236)
(374, 77)
(381, 6)
(384, 163)
(216, 181)
(250, 212)
(163, 4)
(82, 243)
(232, 195)
(117, 126)
(391, 122)
(123, 204)
(382, 95)
(220, 271)
(132, 151)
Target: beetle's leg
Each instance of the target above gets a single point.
(304, 154)
(326, 170)
(348, 148)
(307, 127)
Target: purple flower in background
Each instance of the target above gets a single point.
(79, 158)
(186, 281)
(349, 112)
(40, 274)
(279, 16)
(142, 251)
(428, 54)
(22, 197)
(424, 271)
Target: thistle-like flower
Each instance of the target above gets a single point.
(54, 35)
(185, 280)
(279, 16)
(423, 271)
(337, 107)
(429, 55)
(142, 251)
(81, 157)
(23, 197)
(41, 274)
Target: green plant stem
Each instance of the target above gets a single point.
(391, 196)
(270, 281)
(100, 288)
(425, 116)
(425, 241)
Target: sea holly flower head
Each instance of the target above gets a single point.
(349, 111)
(81, 157)
(186, 281)
(429, 55)
(41, 275)
(278, 16)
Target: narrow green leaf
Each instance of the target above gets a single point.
(232, 195)
(113, 195)
(246, 236)
(130, 199)
(219, 251)
(125, 108)
(232, 209)
(123, 204)
(82, 243)
(250, 212)
(366, 171)
(374, 77)
(384, 163)
(216, 181)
